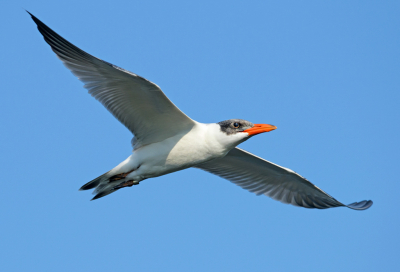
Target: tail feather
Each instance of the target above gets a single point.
(95, 182)
(103, 185)
(109, 181)
(103, 193)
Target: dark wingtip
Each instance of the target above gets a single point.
(362, 205)
(33, 16)
(39, 23)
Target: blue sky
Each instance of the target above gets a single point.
(326, 73)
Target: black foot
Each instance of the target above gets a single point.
(119, 176)
(128, 183)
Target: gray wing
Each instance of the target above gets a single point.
(136, 102)
(263, 177)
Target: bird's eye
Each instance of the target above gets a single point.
(236, 125)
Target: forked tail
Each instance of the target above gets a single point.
(107, 184)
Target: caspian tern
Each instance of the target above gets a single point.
(166, 140)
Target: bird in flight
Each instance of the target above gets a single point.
(166, 140)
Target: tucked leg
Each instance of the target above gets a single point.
(120, 176)
(128, 183)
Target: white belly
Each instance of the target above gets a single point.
(174, 154)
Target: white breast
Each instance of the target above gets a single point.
(202, 143)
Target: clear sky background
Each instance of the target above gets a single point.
(326, 73)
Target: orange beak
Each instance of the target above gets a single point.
(259, 128)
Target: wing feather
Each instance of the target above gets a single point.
(263, 177)
(136, 102)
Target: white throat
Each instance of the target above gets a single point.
(225, 141)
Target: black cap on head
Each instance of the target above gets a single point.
(233, 126)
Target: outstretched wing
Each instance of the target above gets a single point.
(136, 102)
(263, 177)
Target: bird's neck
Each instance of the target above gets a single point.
(223, 141)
